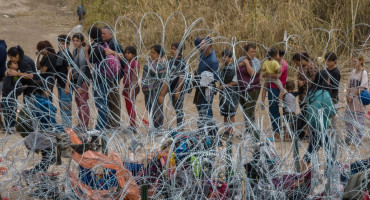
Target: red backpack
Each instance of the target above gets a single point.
(112, 65)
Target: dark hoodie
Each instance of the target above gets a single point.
(2, 59)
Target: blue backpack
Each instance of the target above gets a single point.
(364, 96)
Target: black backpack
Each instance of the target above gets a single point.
(25, 124)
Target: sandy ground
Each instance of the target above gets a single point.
(25, 22)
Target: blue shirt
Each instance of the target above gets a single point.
(45, 112)
(208, 63)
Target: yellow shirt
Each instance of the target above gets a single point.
(271, 66)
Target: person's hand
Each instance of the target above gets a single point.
(109, 52)
(12, 72)
(300, 83)
(79, 90)
(220, 87)
(66, 89)
(160, 99)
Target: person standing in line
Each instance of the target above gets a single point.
(275, 93)
(153, 79)
(131, 86)
(355, 112)
(80, 77)
(289, 107)
(331, 63)
(205, 78)
(319, 111)
(114, 100)
(305, 77)
(49, 59)
(3, 55)
(229, 98)
(96, 57)
(248, 72)
(63, 76)
(176, 77)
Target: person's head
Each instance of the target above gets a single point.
(78, 40)
(331, 59)
(107, 33)
(176, 49)
(45, 86)
(63, 41)
(157, 52)
(95, 33)
(290, 86)
(45, 47)
(12, 66)
(250, 50)
(15, 54)
(321, 81)
(273, 54)
(227, 55)
(358, 61)
(281, 54)
(206, 43)
(301, 59)
(130, 53)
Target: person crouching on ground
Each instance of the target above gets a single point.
(43, 141)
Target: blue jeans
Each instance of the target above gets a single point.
(65, 105)
(205, 109)
(101, 103)
(273, 96)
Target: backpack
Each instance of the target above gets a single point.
(24, 124)
(113, 65)
(364, 96)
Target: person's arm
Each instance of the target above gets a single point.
(162, 76)
(38, 62)
(69, 76)
(12, 72)
(248, 66)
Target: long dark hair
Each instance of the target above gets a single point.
(14, 51)
(45, 45)
(320, 82)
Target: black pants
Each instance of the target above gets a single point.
(315, 144)
(178, 106)
(301, 121)
(47, 159)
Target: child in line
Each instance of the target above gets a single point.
(229, 98)
(290, 107)
(272, 67)
(130, 84)
(81, 76)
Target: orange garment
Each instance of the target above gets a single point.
(89, 159)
